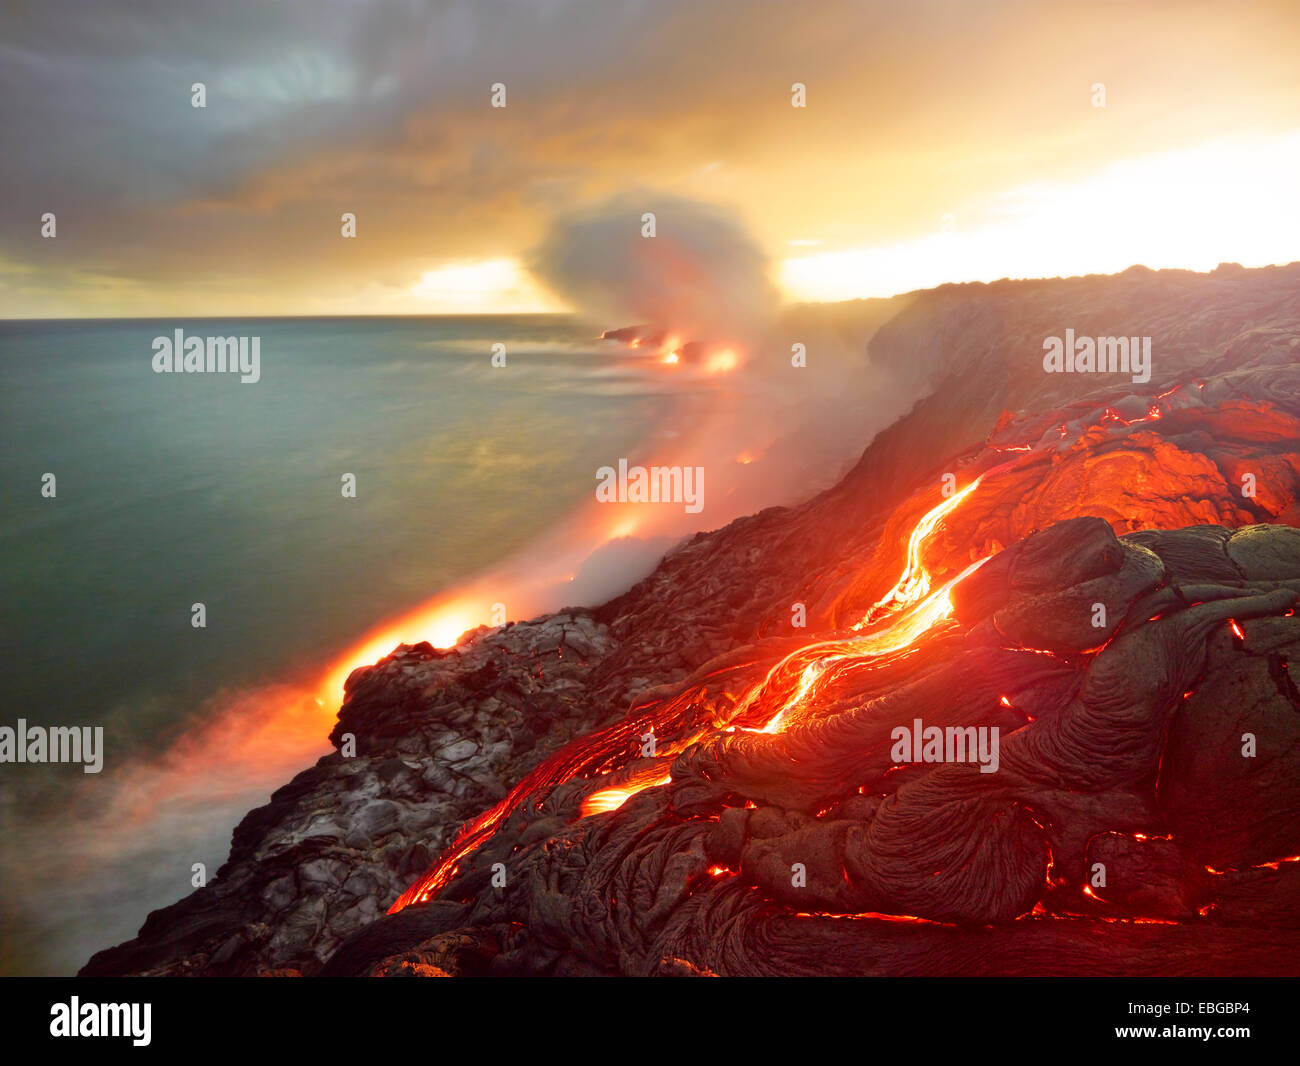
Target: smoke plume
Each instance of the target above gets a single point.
(701, 275)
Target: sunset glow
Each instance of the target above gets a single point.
(601, 489)
(1223, 201)
(987, 154)
(490, 286)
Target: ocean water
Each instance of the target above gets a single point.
(175, 489)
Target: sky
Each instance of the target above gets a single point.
(942, 140)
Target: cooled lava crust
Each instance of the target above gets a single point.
(1160, 750)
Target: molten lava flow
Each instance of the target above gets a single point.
(915, 581)
(586, 756)
(908, 610)
(910, 624)
(910, 603)
(800, 672)
(790, 689)
(611, 799)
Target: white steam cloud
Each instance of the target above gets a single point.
(701, 275)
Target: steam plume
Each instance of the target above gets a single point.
(701, 274)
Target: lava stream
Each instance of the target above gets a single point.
(911, 609)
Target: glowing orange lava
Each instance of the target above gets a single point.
(611, 799)
(893, 623)
(915, 581)
(721, 362)
(440, 624)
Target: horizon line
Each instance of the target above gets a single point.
(578, 314)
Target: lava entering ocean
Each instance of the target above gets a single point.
(818, 673)
(1096, 586)
(558, 569)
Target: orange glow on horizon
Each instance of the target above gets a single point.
(1126, 210)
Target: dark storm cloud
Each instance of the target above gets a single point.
(95, 98)
(96, 121)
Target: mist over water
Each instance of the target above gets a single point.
(176, 489)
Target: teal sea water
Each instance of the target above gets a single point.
(175, 489)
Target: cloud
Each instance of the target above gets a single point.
(321, 106)
(701, 275)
